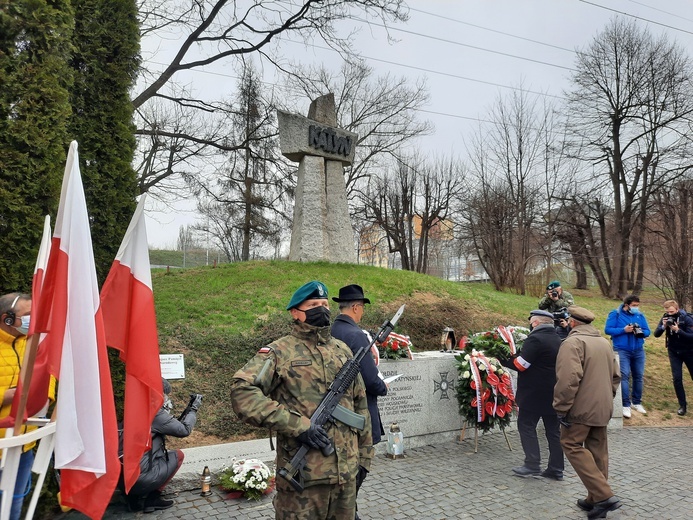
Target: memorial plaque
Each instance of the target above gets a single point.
(422, 401)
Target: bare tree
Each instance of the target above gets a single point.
(186, 238)
(412, 206)
(229, 32)
(254, 182)
(671, 241)
(388, 204)
(628, 108)
(510, 164)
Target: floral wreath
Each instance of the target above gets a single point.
(395, 346)
(500, 343)
(484, 391)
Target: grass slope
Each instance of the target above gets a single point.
(219, 317)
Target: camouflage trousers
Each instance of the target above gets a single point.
(324, 502)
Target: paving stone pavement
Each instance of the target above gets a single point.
(650, 471)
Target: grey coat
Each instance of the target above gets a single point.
(159, 464)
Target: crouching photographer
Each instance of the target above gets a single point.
(628, 329)
(159, 465)
(678, 326)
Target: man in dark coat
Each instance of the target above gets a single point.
(159, 465)
(536, 377)
(345, 327)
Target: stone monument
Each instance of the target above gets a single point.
(322, 228)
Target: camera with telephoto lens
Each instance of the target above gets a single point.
(560, 314)
(554, 293)
(669, 320)
(637, 330)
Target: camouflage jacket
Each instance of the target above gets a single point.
(565, 300)
(281, 387)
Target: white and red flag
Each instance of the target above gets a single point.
(86, 438)
(38, 361)
(127, 302)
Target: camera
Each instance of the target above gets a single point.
(191, 405)
(560, 314)
(637, 330)
(554, 293)
(669, 320)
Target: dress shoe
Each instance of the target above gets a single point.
(553, 475)
(154, 502)
(681, 411)
(601, 508)
(523, 471)
(626, 412)
(585, 505)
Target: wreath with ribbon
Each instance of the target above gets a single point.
(484, 391)
(395, 346)
(500, 343)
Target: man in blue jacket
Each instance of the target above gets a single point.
(628, 329)
(352, 302)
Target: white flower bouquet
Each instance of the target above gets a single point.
(250, 478)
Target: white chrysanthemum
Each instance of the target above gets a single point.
(482, 366)
(467, 357)
(466, 374)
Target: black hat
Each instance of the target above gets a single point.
(351, 293)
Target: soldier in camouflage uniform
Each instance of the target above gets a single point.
(555, 298)
(281, 387)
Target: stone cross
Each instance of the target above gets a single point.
(322, 228)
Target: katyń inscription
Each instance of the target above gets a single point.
(327, 139)
(321, 228)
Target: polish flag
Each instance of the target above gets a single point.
(35, 363)
(86, 438)
(127, 302)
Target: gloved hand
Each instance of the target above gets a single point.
(361, 476)
(195, 401)
(315, 437)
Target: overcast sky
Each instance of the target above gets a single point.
(470, 52)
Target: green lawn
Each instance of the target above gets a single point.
(219, 317)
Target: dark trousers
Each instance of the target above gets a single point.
(587, 450)
(527, 427)
(676, 360)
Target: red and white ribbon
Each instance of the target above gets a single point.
(477, 382)
(507, 336)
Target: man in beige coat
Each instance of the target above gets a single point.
(587, 378)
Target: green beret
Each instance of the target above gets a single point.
(553, 285)
(311, 291)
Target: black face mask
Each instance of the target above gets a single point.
(318, 316)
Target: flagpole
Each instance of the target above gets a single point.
(25, 375)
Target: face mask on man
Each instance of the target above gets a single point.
(318, 316)
(24, 327)
(635, 310)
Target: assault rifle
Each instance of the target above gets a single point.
(330, 410)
